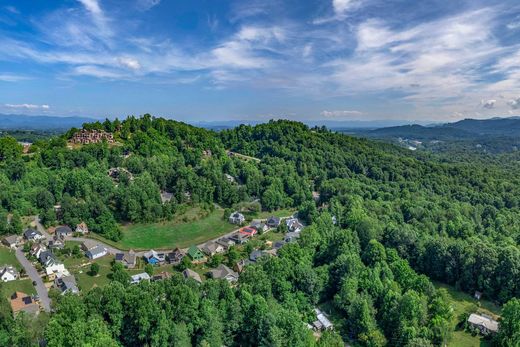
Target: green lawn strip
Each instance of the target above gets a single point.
(86, 281)
(267, 214)
(7, 257)
(465, 303)
(174, 234)
(24, 285)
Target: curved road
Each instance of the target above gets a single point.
(35, 277)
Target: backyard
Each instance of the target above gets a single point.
(463, 303)
(7, 257)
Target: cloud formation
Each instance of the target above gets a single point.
(341, 113)
(28, 106)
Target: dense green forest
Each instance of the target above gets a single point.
(403, 218)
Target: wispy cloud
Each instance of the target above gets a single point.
(145, 5)
(27, 106)
(12, 78)
(338, 114)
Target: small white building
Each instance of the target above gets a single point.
(96, 252)
(322, 322)
(56, 270)
(484, 323)
(139, 278)
(237, 218)
(8, 273)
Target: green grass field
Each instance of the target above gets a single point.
(25, 286)
(181, 232)
(464, 303)
(7, 257)
(87, 282)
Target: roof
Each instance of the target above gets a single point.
(30, 233)
(211, 247)
(45, 256)
(11, 239)
(483, 321)
(323, 319)
(222, 272)
(140, 277)
(273, 219)
(10, 269)
(82, 226)
(166, 196)
(189, 273)
(255, 255)
(194, 251)
(89, 244)
(248, 230)
(64, 229)
(97, 250)
(22, 302)
(67, 284)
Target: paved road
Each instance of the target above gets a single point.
(41, 228)
(35, 277)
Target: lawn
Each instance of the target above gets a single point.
(7, 257)
(464, 303)
(87, 282)
(277, 213)
(181, 232)
(24, 285)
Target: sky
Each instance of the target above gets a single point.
(217, 60)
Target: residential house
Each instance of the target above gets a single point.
(32, 235)
(226, 243)
(56, 270)
(8, 273)
(261, 227)
(164, 275)
(175, 257)
(96, 252)
(241, 264)
(56, 243)
(66, 284)
(237, 218)
(257, 254)
(128, 260)
(240, 238)
(189, 273)
(63, 231)
(87, 245)
(248, 231)
(47, 258)
(278, 244)
(82, 228)
(196, 255)
(11, 241)
(21, 302)
(166, 197)
(273, 222)
(293, 225)
(225, 273)
(322, 322)
(291, 237)
(154, 258)
(211, 248)
(137, 278)
(484, 323)
(37, 249)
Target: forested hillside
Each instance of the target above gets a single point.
(401, 220)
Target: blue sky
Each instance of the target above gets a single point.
(260, 59)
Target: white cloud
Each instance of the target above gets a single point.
(514, 103)
(342, 6)
(12, 78)
(97, 71)
(130, 63)
(92, 6)
(340, 113)
(145, 5)
(489, 104)
(27, 106)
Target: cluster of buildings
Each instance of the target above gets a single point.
(86, 137)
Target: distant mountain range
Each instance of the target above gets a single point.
(464, 129)
(24, 122)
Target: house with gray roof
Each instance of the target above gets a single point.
(32, 235)
(96, 252)
(485, 324)
(63, 231)
(189, 273)
(128, 260)
(137, 278)
(66, 284)
(225, 273)
(11, 241)
(8, 273)
(237, 218)
(211, 248)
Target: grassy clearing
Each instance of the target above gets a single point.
(463, 303)
(7, 257)
(182, 232)
(24, 285)
(279, 213)
(87, 282)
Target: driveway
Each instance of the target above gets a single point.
(41, 228)
(30, 270)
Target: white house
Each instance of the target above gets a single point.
(236, 218)
(56, 270)
(139, 277)
(96, 252)
(8, 273)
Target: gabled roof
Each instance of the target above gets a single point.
(194, 251)
(189, 273)
(64, 229)
(97, 250)
(12, 239)
(224, 272)
(30, 233)
(483, 321)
